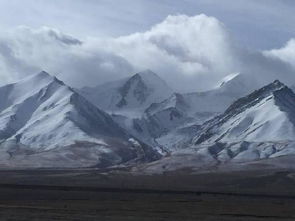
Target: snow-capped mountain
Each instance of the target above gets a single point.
(265, 115)
(199, 106)
(45, 123)
(148, 109)
(129, 96)
(258, 126)
(126, 101)
(173, 121)
(40, 114)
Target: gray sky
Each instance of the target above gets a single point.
(262, 24)
(192, 44)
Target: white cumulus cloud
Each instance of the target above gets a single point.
(181, 49)
(286, 53)
(190, 53)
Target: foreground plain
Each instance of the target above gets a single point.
(122, 195)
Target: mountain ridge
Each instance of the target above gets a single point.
(42, 121)
(52, 116)
(258, 99)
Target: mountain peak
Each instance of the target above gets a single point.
(277, 83)
(146, 73)
(228, 79)
(43, 75)
(41, 113)
(264, 115)
(270, 88)
(256, 96)
(130, 96)
(142, 89)
(149, 77)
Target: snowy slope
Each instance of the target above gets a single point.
(40, 113)
(130, 96)
(146, 107)
(258, 126)
(173, 121)
(265, 115)
(169, 114)
(199, 106)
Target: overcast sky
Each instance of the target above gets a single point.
(99, 37)
(262, 24)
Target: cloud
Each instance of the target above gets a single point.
(285, 54)
(25, 51)
(181, 49)
(190, 53)
(193, 53)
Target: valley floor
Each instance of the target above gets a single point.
(121, 195)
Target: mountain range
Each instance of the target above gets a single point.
(141, 121)
(257, 126)
(45, 122)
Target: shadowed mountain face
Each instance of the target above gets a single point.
(42, 116)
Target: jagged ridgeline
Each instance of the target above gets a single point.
(42, 116)
(45, 123)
